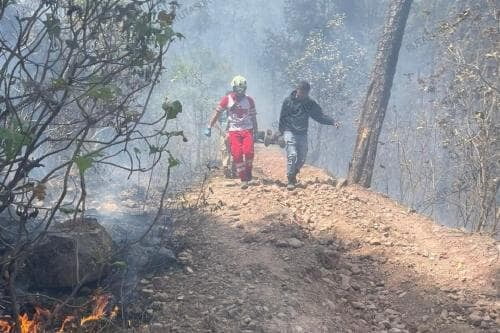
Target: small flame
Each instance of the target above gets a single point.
(114, 313)
(5, 327)
(66, 321)
(27, 325)
(101, 301)
(42, 315)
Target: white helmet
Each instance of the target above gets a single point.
(239, 84)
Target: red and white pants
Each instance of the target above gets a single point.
(242, 151)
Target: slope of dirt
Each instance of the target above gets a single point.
(319, 259)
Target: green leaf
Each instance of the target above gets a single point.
(165, 18)
(162, 39)
(53, 26)
(12, 141)
(106, 93)
(59, 84)
(154, 149)
(68, 209)
(173, 162)
(172, 109)
(83, 163)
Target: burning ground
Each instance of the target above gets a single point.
(82, 277)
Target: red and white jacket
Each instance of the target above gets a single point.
(240, 111)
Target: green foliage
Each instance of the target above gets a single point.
(12, 141)
(69, 209)
(172, 109)
(323, 53)
(173, 162)
(106, 93)
(59, 84)
(154, 149)
(85, 162)
(74, 79)
(53, 25)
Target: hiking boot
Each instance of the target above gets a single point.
(244, 185)
(292, 182)
(248, 176)
(281, 141)
(268, 138)
(227, 173)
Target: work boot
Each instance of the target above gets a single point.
(227, 173)
(268, 138)
(244, 185)
(292, 183)
(234, 173)
(281, 141)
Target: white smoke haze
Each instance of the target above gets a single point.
(225, 38)
(275, 44)
(330, 43)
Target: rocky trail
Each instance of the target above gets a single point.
(323, 258)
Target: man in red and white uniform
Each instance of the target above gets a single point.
(242, 124)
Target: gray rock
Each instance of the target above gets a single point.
(328, 258)
(295, 243)
(345, 283)
(148, 292)
(476, 318)
(146, 259)
(53, 263)
(358, 305)
(423, 328)
(386, 324)
(354, 269)
(158, 328)
(341, 182)
(281, 243)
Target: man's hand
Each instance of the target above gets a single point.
(208, 132)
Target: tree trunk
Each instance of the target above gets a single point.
(377, 97)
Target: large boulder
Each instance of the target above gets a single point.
(81, 244)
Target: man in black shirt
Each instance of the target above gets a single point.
(293, 125)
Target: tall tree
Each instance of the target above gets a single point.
(379, 91)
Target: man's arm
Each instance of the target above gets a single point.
(317, 114)
(283, 115)
(253, 115)
(215, 117)
(218, 111)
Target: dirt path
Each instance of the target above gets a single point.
(320, 259)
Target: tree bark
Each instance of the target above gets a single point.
(377, 97)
